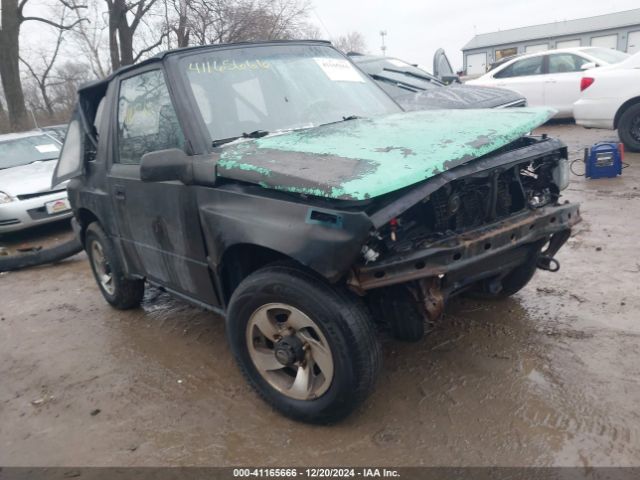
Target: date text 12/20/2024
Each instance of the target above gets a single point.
(315, 472)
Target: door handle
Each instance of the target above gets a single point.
(119, 192)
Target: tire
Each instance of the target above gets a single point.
(290, 297)
(512, 283)
(396, 309)
(121, 292)
(41, 257)
(629, 128)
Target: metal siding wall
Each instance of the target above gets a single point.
(585, 41)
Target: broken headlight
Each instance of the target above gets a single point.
(560, 174)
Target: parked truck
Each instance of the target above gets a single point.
(276, 184)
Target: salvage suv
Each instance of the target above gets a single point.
(276, 184)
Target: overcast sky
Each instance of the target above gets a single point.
(417, 28)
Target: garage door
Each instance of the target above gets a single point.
(633, 42)
(568, 44)
(606, 41)
(476, 63)
(541, 47)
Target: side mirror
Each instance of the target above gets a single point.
(166, 165)
(588, 66)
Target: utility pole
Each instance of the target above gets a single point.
(383, 33)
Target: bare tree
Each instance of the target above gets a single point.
(12, 19)
(125, 17)
(178, 22)
(4, 121)
(66, 79)
(351, 42)
(89, 37)
(227, 21)
(41, 73)
(311, 31)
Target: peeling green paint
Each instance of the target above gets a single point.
(231, 164)
(366, 158)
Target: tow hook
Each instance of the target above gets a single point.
(545, 262)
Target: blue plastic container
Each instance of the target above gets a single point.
(604, 160)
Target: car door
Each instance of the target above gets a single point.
(562, 82)
(524, 76)
(158, 222)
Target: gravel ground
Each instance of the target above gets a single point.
(548, 377)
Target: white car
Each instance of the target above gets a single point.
(611, 99)
(550, 78)
(27, 161)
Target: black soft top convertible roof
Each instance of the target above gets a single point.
(102, 83)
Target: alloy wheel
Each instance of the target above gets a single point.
(290, 351)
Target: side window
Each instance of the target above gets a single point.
(70, 159)
(147, 120)
(565, 62)
(521, 68)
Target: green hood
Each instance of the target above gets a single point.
(365, 158)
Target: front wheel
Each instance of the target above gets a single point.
(309, 349)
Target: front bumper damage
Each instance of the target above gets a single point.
(463, 259)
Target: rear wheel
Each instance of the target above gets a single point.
(308, 349)
(629, 128)
(121, 292)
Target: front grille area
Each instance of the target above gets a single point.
(27, 196)
(469, 203)
(9, 221)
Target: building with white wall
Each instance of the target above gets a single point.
(619, 30)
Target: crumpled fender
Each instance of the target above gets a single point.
(325, 240)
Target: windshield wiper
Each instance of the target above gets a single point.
(414, 75)
(406, 86)
(222, 141)
(346, 118)
(254, 134)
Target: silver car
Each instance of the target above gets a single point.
(27, 161)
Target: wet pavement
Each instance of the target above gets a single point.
(548, 377)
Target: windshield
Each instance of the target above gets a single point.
(266, 89)
(607, 55)
(397, 77)
(22, 151)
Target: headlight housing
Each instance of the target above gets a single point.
(560, 174)
(5, 198)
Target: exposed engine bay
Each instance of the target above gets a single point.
(471, 202)
(486, 231)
